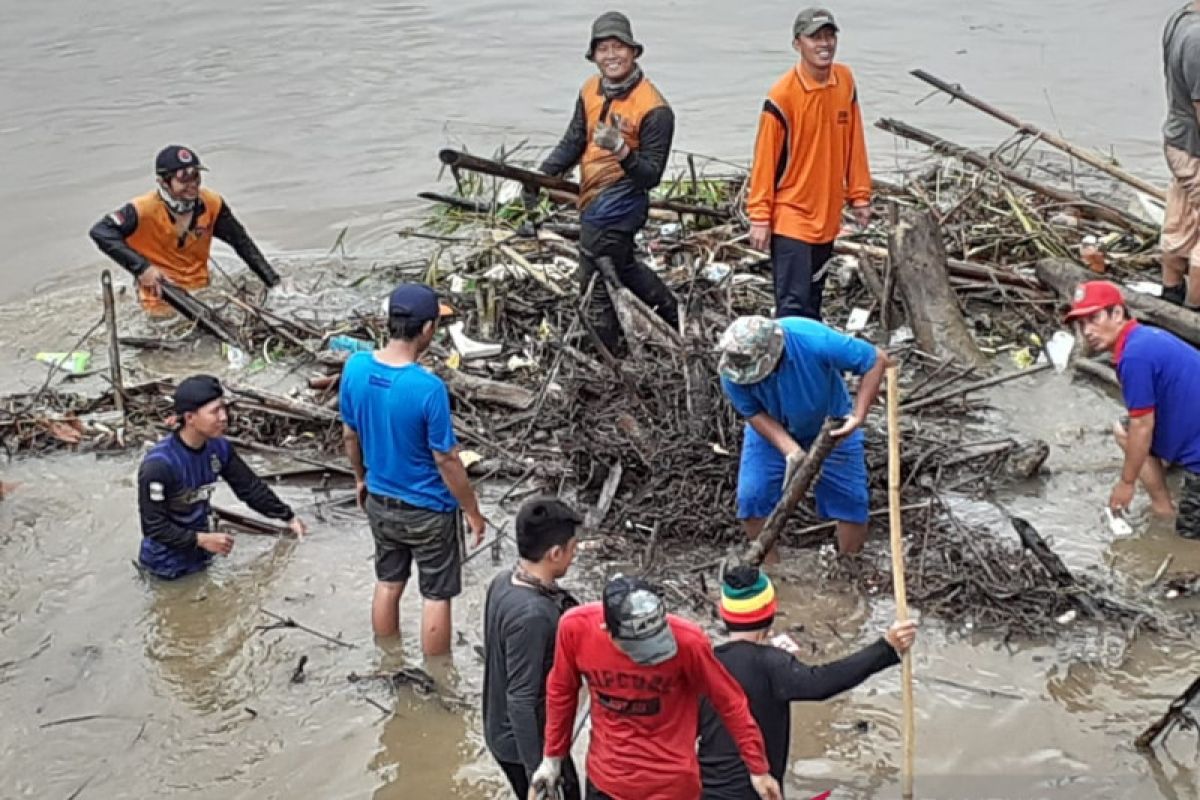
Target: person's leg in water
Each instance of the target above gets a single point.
(385, 608)
(842, 492)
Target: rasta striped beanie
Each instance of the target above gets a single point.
(747, 600)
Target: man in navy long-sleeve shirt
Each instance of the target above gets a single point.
(177, 478)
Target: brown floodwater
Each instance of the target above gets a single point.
(319, 116)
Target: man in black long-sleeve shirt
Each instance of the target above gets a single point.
(177, 478)
(773, 678)
(166, 234)
(620, 135)
(520, 624)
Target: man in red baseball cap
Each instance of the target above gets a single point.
(1160, 381)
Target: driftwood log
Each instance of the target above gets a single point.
(1063, 276)
(486, 390)
(919, 260)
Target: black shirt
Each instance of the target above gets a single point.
(772, 679)
(520, 624)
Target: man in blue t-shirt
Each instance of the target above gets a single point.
(410, 480)
(785, 377)
(1160, 383)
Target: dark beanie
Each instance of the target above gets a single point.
(196, 392)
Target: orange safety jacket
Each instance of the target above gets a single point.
(179, 249)
(810, 157)
(599, 168)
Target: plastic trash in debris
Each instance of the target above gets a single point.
(520, 362)
(469, 458)
(1117, 524)
(716, 272)
(454, 360)
(468, 347)
(901, 335)
(670, 230)
(857, 321)
(1145, 287)
(1059, 348)
(76, 362)
(235, 356)
(847, 269)
(1067, 618)
(1092, 255)
(350, 344)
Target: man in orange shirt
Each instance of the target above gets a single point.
(166, 234)
(810, 159)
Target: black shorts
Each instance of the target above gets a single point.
(403, 532)
(1187, 523)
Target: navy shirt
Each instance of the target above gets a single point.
(175, 483)
(806, 386)
(1160, 372)
(402, 417)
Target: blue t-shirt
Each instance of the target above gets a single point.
(401, 416)
(806, 386)
(1160, 372)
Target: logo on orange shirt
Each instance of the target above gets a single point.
(843, 118)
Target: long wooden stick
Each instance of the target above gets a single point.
(893, 419)
(1086, 156)
(114, 342)
(1088, 206)
(561, 188)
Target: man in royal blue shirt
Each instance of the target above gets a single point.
(785, 377)
(401, 444)
(1160, 383)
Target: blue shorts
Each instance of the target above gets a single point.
(842, 492)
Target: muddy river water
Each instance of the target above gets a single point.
(315, 116)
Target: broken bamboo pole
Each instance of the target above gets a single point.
(1093, 208)
(958, 93)
(805, 474)
(896, 520)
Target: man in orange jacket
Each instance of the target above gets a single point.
(810, 159)
(166, 234)
(620, 136)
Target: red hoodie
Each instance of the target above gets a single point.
(644, 718)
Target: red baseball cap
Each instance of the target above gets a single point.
(1093, 296)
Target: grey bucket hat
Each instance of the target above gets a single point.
(612, 25)
(750, 348)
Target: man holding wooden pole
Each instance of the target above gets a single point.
(620, 136)
(1181, 135)
(165, 235)
(785, 377)
(810, 159)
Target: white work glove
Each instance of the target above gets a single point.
(609, 136)
(793, 463)
(545, 778)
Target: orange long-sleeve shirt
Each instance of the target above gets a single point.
(810, 157)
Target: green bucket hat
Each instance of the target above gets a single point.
(811, 20)
(750, 349)
(612, 25)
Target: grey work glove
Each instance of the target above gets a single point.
(609, 136)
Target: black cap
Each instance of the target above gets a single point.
(196, 392)
(175, 157)
(414, 301)
(542, 515)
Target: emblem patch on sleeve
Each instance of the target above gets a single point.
(157, 492)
